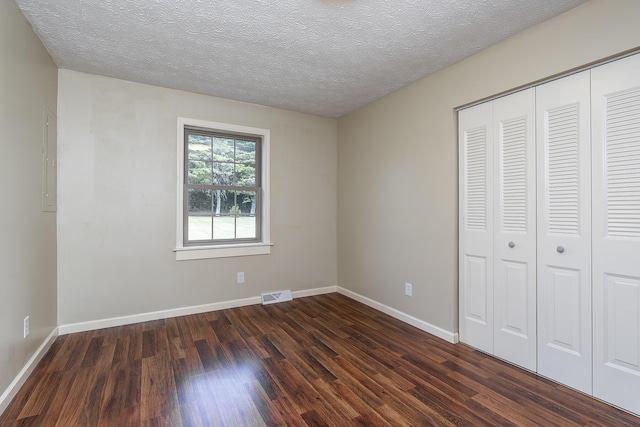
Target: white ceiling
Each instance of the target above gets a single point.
(325, 57)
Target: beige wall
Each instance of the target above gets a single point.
(28, 82)
(117, 201)
(397, 168)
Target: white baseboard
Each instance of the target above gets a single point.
(175, 312)
(452, 337)
(316, 291)
(92, 325)
(24, 373)
(196, 309)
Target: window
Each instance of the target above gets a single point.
(221, 187)
(223, 198)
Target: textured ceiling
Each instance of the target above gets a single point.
(325, 57)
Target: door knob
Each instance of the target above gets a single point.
(560, 249)
(511, 244)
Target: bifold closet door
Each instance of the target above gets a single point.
(514, 245)
(615, 96)
(476, 226)
(564, 230)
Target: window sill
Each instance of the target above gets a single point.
(222, 251)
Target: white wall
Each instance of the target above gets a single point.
(28, 82)
(397, 169)
(117, 201)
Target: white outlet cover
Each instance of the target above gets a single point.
(241, 277)
(26, 327)
(408, 289)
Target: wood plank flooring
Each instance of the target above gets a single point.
(318, 361)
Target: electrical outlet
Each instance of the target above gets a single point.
(408, 289)
(241, 277)
(26, 327)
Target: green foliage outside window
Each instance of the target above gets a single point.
(221, 162)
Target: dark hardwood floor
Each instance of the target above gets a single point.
(323, 360)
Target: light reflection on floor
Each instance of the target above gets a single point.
(223, 397)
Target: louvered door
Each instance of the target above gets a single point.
(476, 226)
(564, 230)
(566, 223)
(616, 232)
(515, 229)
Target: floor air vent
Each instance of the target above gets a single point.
(273, 297)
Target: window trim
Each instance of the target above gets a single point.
(263, 247)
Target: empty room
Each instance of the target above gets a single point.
(321, 212)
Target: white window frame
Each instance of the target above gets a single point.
(263, 247)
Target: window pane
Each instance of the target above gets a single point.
(246, 227)
(200, 172)
(223, 174)
(200, 214)
(199, 201)
(246, 201)
(245, 151)
(224, 201)
(223, 150)
(199, 228)
(199, 147)
(245, 175)
(224, 227)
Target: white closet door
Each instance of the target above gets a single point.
(476, 227)
(564, 230)
(515, 229)
(615, 109)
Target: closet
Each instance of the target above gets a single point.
(550, 230)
